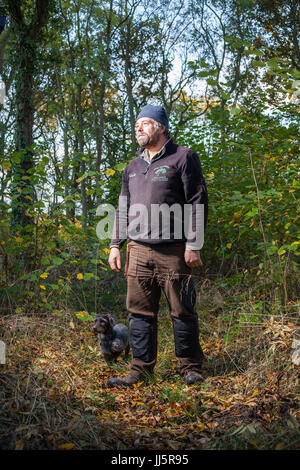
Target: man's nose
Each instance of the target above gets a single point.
(138, 127)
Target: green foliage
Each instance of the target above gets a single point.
(85, 94)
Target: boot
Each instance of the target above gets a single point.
(126, 381)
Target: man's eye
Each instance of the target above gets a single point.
(147, 123)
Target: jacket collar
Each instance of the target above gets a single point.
(142, 153)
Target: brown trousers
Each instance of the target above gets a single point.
(152, 269)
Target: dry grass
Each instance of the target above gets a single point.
(53, 392)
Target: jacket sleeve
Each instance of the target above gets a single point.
(121, 217)
(196, 209)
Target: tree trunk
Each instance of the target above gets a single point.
(22, 188)
(27, 40)
(81, 151)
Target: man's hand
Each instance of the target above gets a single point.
(192, 258)
(115, 259)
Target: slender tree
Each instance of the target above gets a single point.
(27, 38)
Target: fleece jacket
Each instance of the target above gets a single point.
(173, 176)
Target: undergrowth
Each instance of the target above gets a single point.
(53, 392)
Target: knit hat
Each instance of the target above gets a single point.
(158, 113)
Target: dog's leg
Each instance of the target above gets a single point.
(109, 358)
(127, 350)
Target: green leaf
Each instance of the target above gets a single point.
(258, 63)
(203, 73)
(257, 52)
(272, 249)
(55, 286)
(57, 261)
(211, 81)
(120, 166)
(251, 213)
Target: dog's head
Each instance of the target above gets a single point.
(103, 324)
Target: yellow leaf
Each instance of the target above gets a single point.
(110, 171)
(44, 275)
(229, 245)
(79, 276)
(19, 445)
(43, 287)
(106, 250)
(67, 446)
(19, 239)
(201, 427)
(6, 165)
(279, 446)
(72, 325)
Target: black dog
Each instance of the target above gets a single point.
(113, 339)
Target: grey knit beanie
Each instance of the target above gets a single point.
(158, 113)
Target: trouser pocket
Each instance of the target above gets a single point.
(131, 261)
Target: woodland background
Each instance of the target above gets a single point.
(76, 74)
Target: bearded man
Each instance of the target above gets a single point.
(164, 242)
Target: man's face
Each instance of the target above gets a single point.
(147, 132)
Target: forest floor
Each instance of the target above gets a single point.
(53, 392)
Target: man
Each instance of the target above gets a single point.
(161, 249)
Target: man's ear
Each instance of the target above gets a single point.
(163, 129)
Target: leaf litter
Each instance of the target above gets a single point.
(53, 395)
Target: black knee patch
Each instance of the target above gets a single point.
(186, 337)
(143, 337)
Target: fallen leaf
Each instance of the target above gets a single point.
(67, 446)
(19, 445)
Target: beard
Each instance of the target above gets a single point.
(143, 140)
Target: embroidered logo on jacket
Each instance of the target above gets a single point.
(160, 171)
